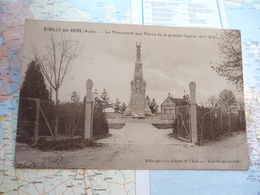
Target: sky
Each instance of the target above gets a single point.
(108, 58)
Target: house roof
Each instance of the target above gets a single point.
(177, 101)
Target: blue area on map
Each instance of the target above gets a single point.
(20, 29)
(3, 109)
(13, 76)
(1, 41)
(27, 2)
(118, 16)
(9, 106)
(11, 52)
(249, 23)
(98, 11)
(202, 182)
(1, 127)
(246, 18)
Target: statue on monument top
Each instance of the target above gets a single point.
(138, 52)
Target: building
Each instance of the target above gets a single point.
(169, 105)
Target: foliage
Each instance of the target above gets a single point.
(100, 124)
(71, 119)
(55, 59)
(95, 94)
(27, 117)
(123, 107)
(50, 111)
(33, 85)
(62, 144)
(74, 98)
(212, 100)
(154, 107)
(226, 99)
(105, 100)
(117, 106)
(230, 67)
(221, 117)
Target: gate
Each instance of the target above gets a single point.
(183, 123)
(32, 121)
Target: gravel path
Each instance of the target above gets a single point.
(139, 133)
(142, 146)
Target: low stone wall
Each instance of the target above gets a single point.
(116, 125)
(163, 126)
(165, 116)
(113, 115)
(118, 118)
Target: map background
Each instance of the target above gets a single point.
(22, 181)
(244, 16)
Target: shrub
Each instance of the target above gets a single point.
(100, 124)
(62, 143)
(71, 119)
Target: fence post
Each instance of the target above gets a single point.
(36, 130)
(89, 111)
(193, 113)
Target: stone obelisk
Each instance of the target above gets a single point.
(138, 106)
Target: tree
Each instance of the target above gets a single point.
(95, 97)
(95, 94)
(123, 107)
(212, 100)
(117, 106)
(241, 104)
(152, 105)
(56, 58)
(54, 61)
(100, 124)
(105, 100)
(241, 112)
(97, 103)
(33, 85)
(230, 67)
(74, 98)
(227, 98)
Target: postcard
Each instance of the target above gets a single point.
(115, 96)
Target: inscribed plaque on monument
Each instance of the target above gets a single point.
(162, 97)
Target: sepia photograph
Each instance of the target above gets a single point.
(117, 96)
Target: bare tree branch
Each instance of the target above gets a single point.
(56, 58)
(229, 43)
